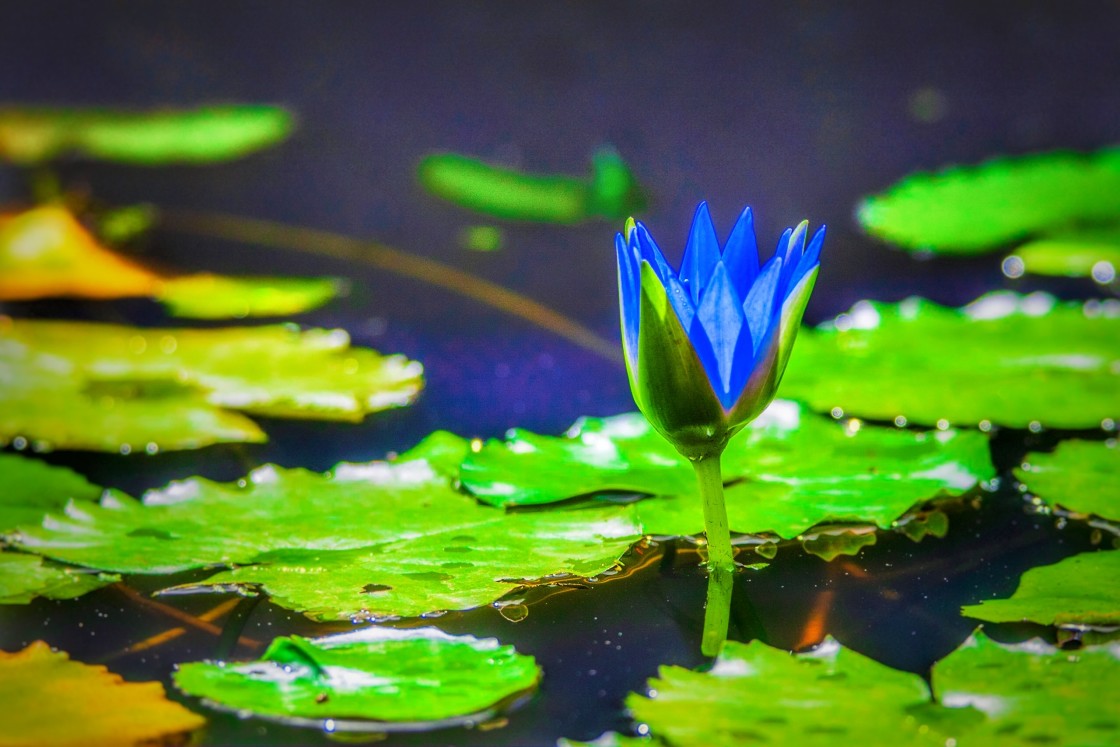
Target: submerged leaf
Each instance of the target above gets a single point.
(1032, 693)
(1079, 590)
(1079, 476)
(24, 577)
(1006, 359)
(47, 699)
(45, 252)
(758, 694)
(420, 678)
(788, 471)
(972, 209)
(81, 385)
(369, 540)
(214, 133)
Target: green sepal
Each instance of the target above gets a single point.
(671, 386)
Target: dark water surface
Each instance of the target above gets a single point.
(798, 109)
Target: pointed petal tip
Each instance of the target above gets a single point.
(629, 227)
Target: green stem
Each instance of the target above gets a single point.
(720, 555)
(717, 612)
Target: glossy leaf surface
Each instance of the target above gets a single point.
(788, 470)
(30, 488)
(419, 677)
(1006, 359)
(106, 387)
(24, 577)
(369, 540)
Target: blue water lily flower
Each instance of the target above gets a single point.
(706, 347)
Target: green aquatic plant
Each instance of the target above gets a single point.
(400, 679)
(30, 136)
(611, 192)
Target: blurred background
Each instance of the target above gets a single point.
(798, 109)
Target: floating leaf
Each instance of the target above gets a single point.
(758, 694)
(47, 699)
(611, 192)
(217, 297)
(420, 678)
(31, 488)
(971, 209)
(24, 577)
(215, 133)
(1033, 693)
(45, 252)
(789, 471)
(369, 540)
(1078, 475)
(1007, 359)
(1085, 254)
(1079, 590)
(107, 387)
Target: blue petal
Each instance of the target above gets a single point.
(811, 259)
(648, 250)
(795, 248)
(629, 290)
(740, 254)
(720, 314)
(700, 254)
(680, 300)
(759, 305)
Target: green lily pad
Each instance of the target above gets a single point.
(47, 699)
(758, 694)
(368, 541)
(219, 297)
(31, 488)
(789, 470)
(610, 192)
(1033, 693)
(1079, 590)
(79, 385)
(214, 133)
(24, 577)
(972, 209)
(1005, 359)
(398, 678)
(1078, 475)
(1085, 254)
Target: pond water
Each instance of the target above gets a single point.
(798, 111)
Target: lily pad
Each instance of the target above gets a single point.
(218, 297)
(611, 739)
(758, 694)
(1079, 590)
(214, 133)
(1084, 254)
(32, 487)
(1079, 476)
(1005, 359)
(972, 209)
(24, 577)
(789, 470)
(45, 253)
(79, 385)
(420, 678)
(47, 699)
(370, 540)
(1033, 693)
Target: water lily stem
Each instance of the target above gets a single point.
(717, 611)
(720, 555)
